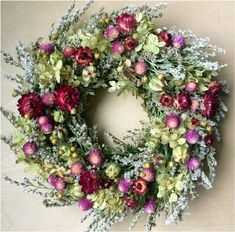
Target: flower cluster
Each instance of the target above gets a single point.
(159, 165)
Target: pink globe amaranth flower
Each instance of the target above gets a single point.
(149, 174)
(125, 23)
(215, 87)
(130, 44)
(182, 101)
(209, 140)
(166, 100)
(193, 163)
(47, 47)
(60, 184)
(67, 97)
(111, 32)
(30, 148)
(172, 121)
(48, 99)
(96, 157)
(194, 105)
(68, 51)
(30, 104)
(191, 87)
(118, 47)
(85, 204)
(83, 56)
(211, 104)
(52, 180)
(149, 207)
(43, 120)
(124, 185)
(179, 41)
(140, 186)
(140, 68)
(192, 136)
(165, 37)
(77, 168)
(46, 128)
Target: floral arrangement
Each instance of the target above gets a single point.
(153, 169)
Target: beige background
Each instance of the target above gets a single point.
(213, 210)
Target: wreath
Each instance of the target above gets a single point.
(153, 169)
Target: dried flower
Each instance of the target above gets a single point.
(178, 42)
(85, 204)
(47, 47)
(30, 148)
(111, 32)
(83, 56)
(193, 163)
(125, 23)
(140, 67)
(118, 47)
(124, 185)
(140, 186)
(192, 136)
(172, 121)
(96, 157)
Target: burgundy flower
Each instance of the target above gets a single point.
(211, 104)
(140, 186)
(130, 202)
(209, 140)
(215, 87)
(67, 97)
(83, 56)
(166, 100)
(130, 44)
(47, 47)
(125, 23)
(90, 182)
(166, 37)
(194, 121)
(30, 104)
(182, 101)
(106, 183)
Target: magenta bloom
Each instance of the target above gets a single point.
(124, 185)
(140, 186)
(77, 168)
(130, 44)
(68, 51)
(52, 180)
(166, 37)
(96, 157)
(191, 86)
(46, 128)
(125, 23)
(60, 184)
(47, 47)
(118, 47)
(182, 101)
(48, 99)
(111, 32)
(140, 68)
(43, 120)
(172, 121)
(192, 136)
(30, 148)
(85, 204)
(149, 174)
(178, 41)
(193, 163)
(149, 206)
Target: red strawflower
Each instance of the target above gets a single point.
(140, 186)
(166, 37)
(166, 100)
(67, 97)
(130, 44)
(130, 202)
(211, 104)
(90, 182)
(215, 88)
(194, 121)
(209, 140)
(182, 101)
(125, 23)
(30, 104)
(83, 56)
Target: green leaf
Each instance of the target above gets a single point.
(173, 198)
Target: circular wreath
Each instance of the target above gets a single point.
(155, 168)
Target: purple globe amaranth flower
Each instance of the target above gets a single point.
(149, 174)
(52, 180)
(172, 121)
(118, 47)
(47, 47)
(77, 168)
(46, 128)
(85, 204)
(191, 87)
(48, 99)
(124, 185)
(140, 67)
(192, 136)
(111, 32)
(43, 120)
(193, 163)
(149, 206)
(60, 184)
(30, 148)
(179, 41)
(95, 157)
